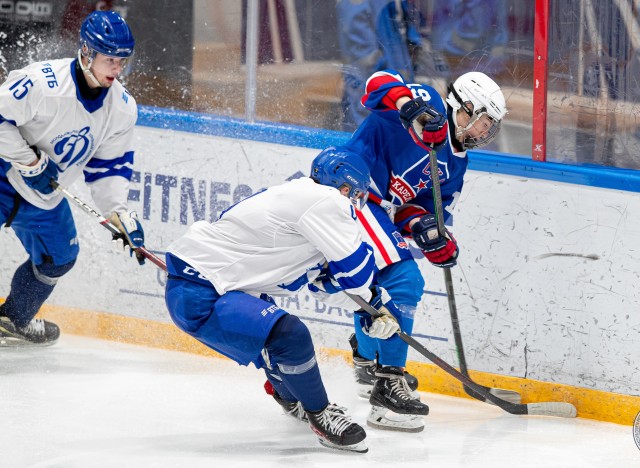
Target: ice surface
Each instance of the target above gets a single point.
(90, 403)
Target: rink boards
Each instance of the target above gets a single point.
(546, 287)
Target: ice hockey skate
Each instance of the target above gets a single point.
(364, 371)
(38, 332)
(290, 408)
(335, 429)
(393, 406)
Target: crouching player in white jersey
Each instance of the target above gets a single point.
(222, 276)
(61, 119)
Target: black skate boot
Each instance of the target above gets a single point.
(392, 405)
(290, 408)
(335, 429)
(365, 369)
(38, 332)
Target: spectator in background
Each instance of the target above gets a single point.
(379, 34)
(473, 33)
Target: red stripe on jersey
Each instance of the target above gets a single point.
(374, 198)
(374, 237)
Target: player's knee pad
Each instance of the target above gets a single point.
(403, 281)
(290, 344)
(408, 315)
(49, 273)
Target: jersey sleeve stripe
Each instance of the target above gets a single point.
(356, 270)
(123, 171)
(2, 120)
(126, 158)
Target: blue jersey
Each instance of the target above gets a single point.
(400, 169)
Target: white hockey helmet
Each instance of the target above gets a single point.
(478, 96)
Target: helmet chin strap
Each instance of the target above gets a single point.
(87, 70)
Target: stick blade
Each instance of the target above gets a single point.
(506, 395)
(509, 396)
(552, 408)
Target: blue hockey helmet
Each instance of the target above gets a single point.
(106, 32)
(342, 168)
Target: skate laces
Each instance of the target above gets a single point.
(335, 419)
(399, 385)
(35, 327)
(297, 411)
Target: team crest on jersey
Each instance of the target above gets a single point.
(74, 147)
(400, 241)
(400, 189)
(441, 174)
(422, 184)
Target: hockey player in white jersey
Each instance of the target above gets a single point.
(60, 120)
(222, 276)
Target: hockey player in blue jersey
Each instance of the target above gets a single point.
(405, 121)
(60, 119)
(222, 276)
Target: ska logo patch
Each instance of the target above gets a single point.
(401, 242)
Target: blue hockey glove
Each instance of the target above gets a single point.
(384, 326)
(39, 177)
(131, 235)
(441, 251)
(427, 126)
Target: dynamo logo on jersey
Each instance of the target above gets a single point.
(74, 147)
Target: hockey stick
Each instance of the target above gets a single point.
(106, 223)
(508, 395)
(550, 408)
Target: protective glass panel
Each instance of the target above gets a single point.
(593, 83)
(314, 57)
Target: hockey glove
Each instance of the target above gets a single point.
(39, 177)
(131, 235)
(442, 251)
(384, 326)
(427, 126)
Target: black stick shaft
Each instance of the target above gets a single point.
(107, 224)
(448, 280)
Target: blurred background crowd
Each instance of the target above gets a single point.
(314, 56)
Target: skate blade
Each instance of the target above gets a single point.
(360, 447)
(10, 342)
(387, 420)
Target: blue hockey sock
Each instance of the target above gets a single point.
(293, 360)
(30, 287)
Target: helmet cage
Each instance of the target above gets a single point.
(357, 195)
(475, 116)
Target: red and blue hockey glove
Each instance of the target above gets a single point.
(384, 326)
(425, 124)
(131, 235)
(442, 251)
(39, 176)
